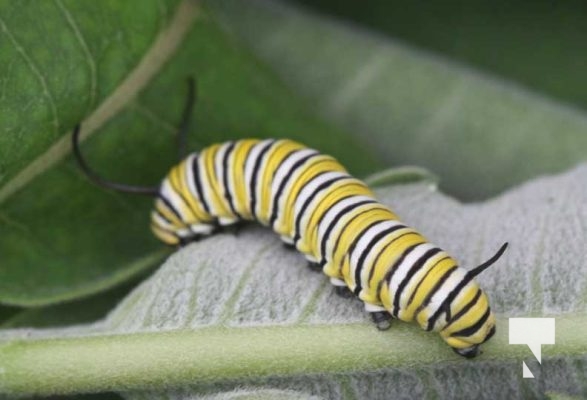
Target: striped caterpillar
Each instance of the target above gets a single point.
(310, 200)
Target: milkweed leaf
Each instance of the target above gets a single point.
(236, 311)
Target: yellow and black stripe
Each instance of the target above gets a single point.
(312, 202)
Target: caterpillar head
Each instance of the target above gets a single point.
(471, 322)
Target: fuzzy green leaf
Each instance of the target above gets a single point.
(243, 311)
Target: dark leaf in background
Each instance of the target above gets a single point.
(82, 311)
(537, 43)
(479, 133)
(7, 313)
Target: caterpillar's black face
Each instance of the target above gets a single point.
(474, 351)
(468, 352)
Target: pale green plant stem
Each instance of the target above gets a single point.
(147, 360)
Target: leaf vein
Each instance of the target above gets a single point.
(89, 57)
(35, 70)
(234, 296)
(149, 114)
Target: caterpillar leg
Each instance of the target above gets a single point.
(194, 233)
(233, 227)
(314, 266)
(380, 317)
(341, 289)
(185, 241)
(287, 242)
(343, 292)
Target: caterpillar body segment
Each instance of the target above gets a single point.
(312, 203)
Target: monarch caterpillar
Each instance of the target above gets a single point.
(311, 201)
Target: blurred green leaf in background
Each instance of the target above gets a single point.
(538, 44)
(484, 95)
(478, 133)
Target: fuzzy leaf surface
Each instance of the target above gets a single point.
(234, 312)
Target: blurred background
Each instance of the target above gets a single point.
(538, 44)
